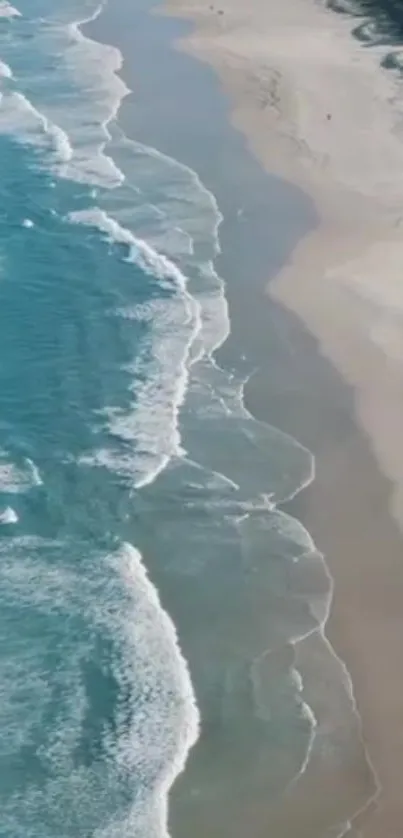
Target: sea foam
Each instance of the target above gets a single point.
(7, 10)
(156, 264)
(8, 516)
(16, 478)
(108, 596)
(22, 121)
(161, 375)
(5, 71)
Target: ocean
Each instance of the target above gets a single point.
(151, 590)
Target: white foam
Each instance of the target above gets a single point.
(85, 58)
(160, 371)
(22, 121)
(14, 478)
(94, 68)
(7, 10)
(28, 223)
(35, 474)
(170, 713)
(92, 95)
(5, 71)
(140, 252)
(60, 140)
(80, 144)
(8, 516)
(111, 596)
(184, 204)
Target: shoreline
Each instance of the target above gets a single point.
(340, 317)
(314, 527)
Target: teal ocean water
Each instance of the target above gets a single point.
(137, 494)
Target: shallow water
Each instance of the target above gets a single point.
(125, 447)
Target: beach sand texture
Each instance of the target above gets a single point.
(319, 109)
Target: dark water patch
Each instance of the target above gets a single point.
(378, 32)
(384, 23)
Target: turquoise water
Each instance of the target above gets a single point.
(126, 451)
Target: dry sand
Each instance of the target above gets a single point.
(317, 108)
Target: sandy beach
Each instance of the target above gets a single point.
(318, 109)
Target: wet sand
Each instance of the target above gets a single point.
(298, 388)
(319, 110)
